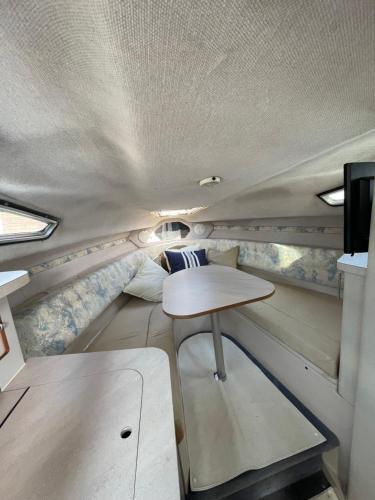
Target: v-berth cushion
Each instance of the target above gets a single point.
(308, 322)
(138, 324)
(128, 329)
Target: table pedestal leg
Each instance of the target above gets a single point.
(218, 345)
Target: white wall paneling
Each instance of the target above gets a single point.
(362, 477)
(354, 296)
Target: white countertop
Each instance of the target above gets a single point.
(355, 264)
(63, 439)
(11, 281)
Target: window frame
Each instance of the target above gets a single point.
(51, 221)
(140, 240)
(172, 221)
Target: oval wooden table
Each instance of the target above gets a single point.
(207, 290)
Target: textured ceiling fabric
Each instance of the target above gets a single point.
(113, 108)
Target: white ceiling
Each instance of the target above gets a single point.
(112, 108)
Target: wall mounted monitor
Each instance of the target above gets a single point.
(359, 189)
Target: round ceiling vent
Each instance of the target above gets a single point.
(210, 181)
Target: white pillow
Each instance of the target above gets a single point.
(148, 282)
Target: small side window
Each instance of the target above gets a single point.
(19, 224)
(172, 231)
(165, 231)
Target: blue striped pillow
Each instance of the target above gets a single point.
(185, 259)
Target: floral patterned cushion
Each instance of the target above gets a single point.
(49, 325)
(314, 265)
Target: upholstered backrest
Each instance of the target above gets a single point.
(313, 265)
(48, 325)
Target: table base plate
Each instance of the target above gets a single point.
(242, 424)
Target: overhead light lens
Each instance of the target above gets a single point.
(334, 197)
(177, 212)
(210, 181)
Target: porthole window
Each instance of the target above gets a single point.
(19, 224)
(172, 231)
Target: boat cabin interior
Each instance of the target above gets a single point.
(187, 250)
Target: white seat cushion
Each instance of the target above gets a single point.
(128, 329)
(143, 324)
(306, 321)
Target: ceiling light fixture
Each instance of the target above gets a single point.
(333, 197)
(177, 212)
(210, 181)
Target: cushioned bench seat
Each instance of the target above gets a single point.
(144, 324)
(308, 322)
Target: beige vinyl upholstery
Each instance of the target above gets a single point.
(144, 324)
(308, 322)
(128, 329)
